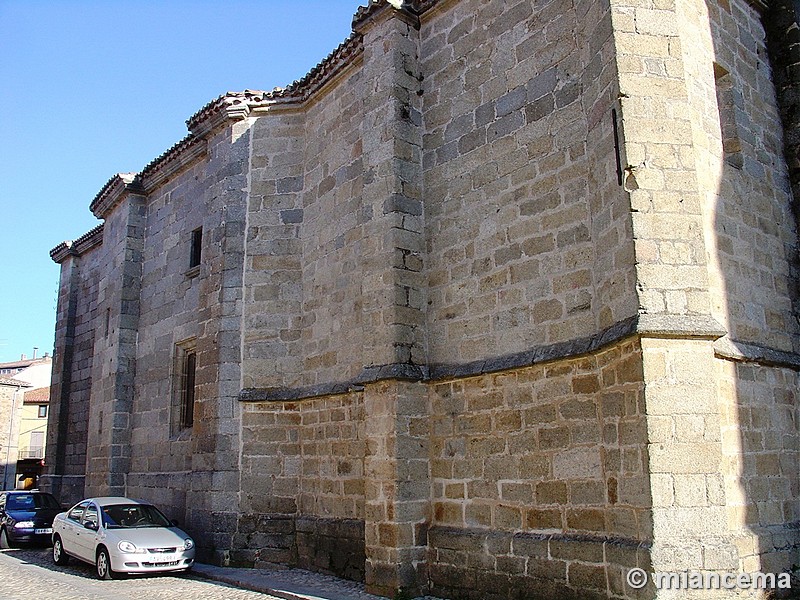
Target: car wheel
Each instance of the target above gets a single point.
(103, 565)
(5, 543)
(59, 556)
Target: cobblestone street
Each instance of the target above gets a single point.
(27, 574)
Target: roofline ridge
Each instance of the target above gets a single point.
(108, 195)
(76, 247)
(179, 154)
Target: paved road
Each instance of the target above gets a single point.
(29, 574)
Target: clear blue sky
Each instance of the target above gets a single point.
(93, 88)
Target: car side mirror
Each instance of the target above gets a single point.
(91, 525)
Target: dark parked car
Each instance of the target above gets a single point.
(26, 516)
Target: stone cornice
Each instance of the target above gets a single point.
(173, 160)
(77, 247)
(112, 192)
(233, 106)
(238, 105)
(679, 326)
(745, 352)
(156, 172)
(336, 62)
(404, 372)
(376, 9)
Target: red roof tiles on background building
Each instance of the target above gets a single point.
(37, 396)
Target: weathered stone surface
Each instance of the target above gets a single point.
(501, 297)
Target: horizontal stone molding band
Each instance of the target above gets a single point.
(783, 532)
(733, 350)
(647, 326)
(397, 371)
(461, 538)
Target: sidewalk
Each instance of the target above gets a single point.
(291, 584)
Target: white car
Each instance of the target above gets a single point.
(120, 535)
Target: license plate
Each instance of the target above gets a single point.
(46, 530)
(162, 560)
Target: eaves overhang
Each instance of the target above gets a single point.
(77, 247)
(11, 382)
(235, 106)
(112, 192)
(376, 9)
(173, 160)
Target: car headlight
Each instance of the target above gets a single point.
(127, 547)
(188, 544)
(23, 525)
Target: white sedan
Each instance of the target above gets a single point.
(120, 535)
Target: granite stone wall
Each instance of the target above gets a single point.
(498, 301)
(76, 323)
(546, 457)
(303, 485)
(524, 245)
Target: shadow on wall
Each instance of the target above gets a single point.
(756, 294)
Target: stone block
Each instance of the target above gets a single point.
(551, 492)
(586, 577)
(577, 463)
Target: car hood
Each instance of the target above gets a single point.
(42, 515)
(149, 537)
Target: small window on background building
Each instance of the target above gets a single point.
(42, 411)
(195, 251)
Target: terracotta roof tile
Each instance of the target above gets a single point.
(178, 156)
(77, 247)
(37, 396)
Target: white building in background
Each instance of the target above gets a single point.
(34, 371)
(24, 406)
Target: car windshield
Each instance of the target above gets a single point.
(31, 502)
(133, 515)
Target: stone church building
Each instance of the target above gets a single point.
(498, 301)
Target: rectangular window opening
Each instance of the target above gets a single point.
(196, 248)
(184, 387)
(187, 402)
